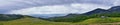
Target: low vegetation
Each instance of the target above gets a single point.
(36, 21)
(80, 18)
(71, 19)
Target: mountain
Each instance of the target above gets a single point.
(64, 20)
(96, 11)
(114, 9)
(47, 15)
(99, 10)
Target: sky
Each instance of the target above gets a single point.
(30, 7)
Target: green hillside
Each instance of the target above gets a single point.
(31, 21)
(80, 18)
(72, 19)
(36, 21)
(101, 20)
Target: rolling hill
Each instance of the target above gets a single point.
(95, 17)
(37, 21)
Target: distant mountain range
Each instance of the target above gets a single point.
(47, 15)
(69, 17)
(99, 10)
(96, 11)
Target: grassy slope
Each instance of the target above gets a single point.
(32, 21)
(35, 21)
(102, 21)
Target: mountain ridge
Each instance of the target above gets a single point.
(99, 10)
(97, 13)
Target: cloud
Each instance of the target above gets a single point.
(117, 3)
(27, 7)
(59, 9)
(10, 5)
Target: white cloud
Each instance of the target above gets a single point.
(8, 5)
(57, 9)
(53, 6)
(117, 3)
(60, 9)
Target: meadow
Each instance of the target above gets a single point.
(35, 21)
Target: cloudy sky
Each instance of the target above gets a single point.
(28, 7)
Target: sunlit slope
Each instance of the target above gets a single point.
(101, 21)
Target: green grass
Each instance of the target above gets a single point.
(32, 21)
(35, 21)
(101, 20)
